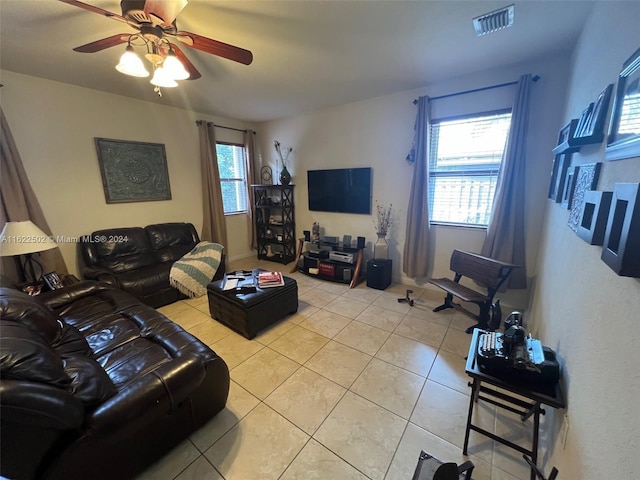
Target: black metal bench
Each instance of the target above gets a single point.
(487, 271)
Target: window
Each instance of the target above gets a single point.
(233, 177)
(464, 160)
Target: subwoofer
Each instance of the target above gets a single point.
(378, 274)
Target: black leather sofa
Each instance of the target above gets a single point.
(96, 385)
(138, 260)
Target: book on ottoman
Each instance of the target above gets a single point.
(270, 279)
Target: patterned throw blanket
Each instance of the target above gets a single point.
(193, 272)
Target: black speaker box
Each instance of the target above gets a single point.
(378, 273)
(307, 235)
(361, 241)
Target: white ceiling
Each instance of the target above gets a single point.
(307, 54)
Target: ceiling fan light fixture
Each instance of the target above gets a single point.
(131, 64)
(161, 78)
(174, 68)
(155, 22)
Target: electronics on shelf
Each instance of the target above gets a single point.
(318, 253)
(345, 257)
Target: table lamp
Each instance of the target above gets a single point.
(24, 238)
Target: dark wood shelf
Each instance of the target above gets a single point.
(276, 258)
(275, 216)
(327, 277)
(356, 273)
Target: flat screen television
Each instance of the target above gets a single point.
(344, 190)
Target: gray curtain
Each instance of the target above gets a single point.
(252, 171)
(19, 203)
(416, 244)
(505, 235)
(214, 227)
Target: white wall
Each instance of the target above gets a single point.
(54, 126)
(379, 132)
(581, 308)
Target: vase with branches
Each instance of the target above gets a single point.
(382, 223)
(383, 219)
(283, 154)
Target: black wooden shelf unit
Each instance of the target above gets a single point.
(274, 216)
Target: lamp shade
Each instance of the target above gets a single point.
(174, 67)
(21, 238)
(130, 64)
(162, 79)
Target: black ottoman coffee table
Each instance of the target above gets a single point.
(248, 313)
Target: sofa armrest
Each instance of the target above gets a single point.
(41, 405)
(34, 417)
(57, 298)
(159, 391)
(102, 274)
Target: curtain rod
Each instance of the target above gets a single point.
(199, 122)
(535, 78)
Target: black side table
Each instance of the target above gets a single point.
(548, 394)
(41, 287)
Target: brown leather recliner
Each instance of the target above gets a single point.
(95, 384)
(138, 260)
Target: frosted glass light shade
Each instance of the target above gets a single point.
(21, 238)
(131, 64)
(162, 79)
(174, 68)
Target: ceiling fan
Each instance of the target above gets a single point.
(155, 22)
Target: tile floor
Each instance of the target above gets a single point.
(352, 386)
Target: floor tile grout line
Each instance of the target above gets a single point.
(192, 462)
(311, 437)
(395, 452)
(348, 389)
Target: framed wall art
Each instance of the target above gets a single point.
(561, 164)
(621, 246)
(133, 171)
(567, 195)
(565, 138)
(586, 179)
(593, 221)
(595, 126)
(584, 122)
(624, 138)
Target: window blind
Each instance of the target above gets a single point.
(233, 182)
(464, 162)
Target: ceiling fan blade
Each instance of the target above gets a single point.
(164, 10)
(103, 43)
(193, 71)
(93, 9)
(215, 47)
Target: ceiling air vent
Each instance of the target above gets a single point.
(493, 21)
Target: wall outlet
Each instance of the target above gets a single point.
(564, 431)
